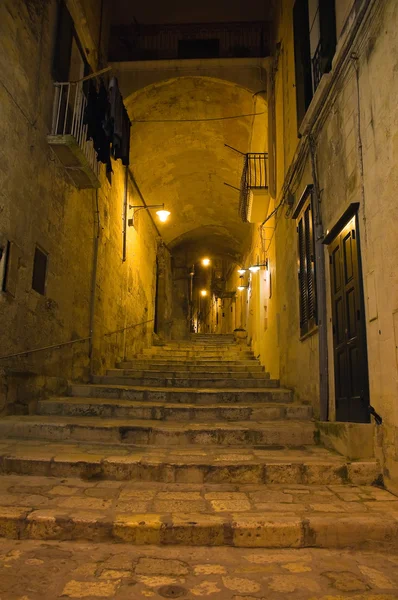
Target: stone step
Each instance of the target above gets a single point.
(192, 347)
(253, 367)
(159, 514)
(187, 381)
(212, 336)
(193, 356)
(186, 395)
(197, 374)
(309, 465)
(219, 338)
(107, 408)
(159, 433)
(196, 351)
(192, 363)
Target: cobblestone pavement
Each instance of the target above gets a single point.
(110, 497)
(34, 570)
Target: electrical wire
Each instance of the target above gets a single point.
(197, 120)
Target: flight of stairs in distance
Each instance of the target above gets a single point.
(187, 443)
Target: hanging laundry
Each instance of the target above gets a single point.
(121, 123)
(99, 124)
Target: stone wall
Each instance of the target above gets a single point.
(364, 121)
(358, 116)
(40, 206)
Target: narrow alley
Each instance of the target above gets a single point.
(198, 300)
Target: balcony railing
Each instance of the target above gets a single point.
(68, 136)
(182, 41)
(254, 186)
(318, 65)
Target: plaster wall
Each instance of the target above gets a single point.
(364, 119)
(39, 205)
(359, 117)
(270, 309)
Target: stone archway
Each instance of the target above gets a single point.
(180, 128)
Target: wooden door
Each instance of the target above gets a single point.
(349, 335)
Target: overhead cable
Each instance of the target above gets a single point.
(197, 120)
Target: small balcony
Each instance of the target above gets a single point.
(254, 194)
(189, 41)
(68, 137)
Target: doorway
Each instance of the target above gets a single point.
(349, 332)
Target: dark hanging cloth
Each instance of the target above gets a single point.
(104, 130)
(89, 117)
(98, 121)
(121, 124)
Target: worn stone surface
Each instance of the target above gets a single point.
(32, 570)
(198, 464)
(198, 514)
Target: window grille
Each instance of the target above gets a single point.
(254, 176)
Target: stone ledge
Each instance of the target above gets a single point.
(353, 440)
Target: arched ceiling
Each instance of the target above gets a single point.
(180, 160)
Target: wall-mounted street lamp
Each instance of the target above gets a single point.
(257, 267)
(203, 293)
(205, 262)
(161, 213)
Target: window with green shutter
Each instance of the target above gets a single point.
(306, 269)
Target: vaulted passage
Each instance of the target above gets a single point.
(198, 299)
(190, 136)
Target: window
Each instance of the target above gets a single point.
(306, 263)
(69, 63)
(39, 271)
(322, 16)
(199, 48)
(302, 57)
(314, 26)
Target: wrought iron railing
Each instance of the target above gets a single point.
(254, 176)
(68, 118)
(318, 65)
(167, 42)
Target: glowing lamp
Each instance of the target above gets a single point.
(163, 215)
(203, 293)
(205, 262)
(242, 271)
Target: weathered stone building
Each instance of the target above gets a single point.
(272, 143)
(330, 155)
(100, 273)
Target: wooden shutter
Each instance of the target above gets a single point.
(302, 276)
(310, 263)
(63, 44)
(327, 25)
(307, 288)
(302, 58)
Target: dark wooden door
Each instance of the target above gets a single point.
(349, 335)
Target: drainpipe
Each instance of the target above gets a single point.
(125, 204)
(320, 290)
(191, 275)
(94, 281)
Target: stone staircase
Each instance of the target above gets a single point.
(187, 443)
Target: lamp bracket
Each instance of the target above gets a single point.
(136, 207)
